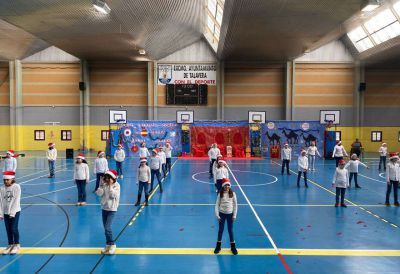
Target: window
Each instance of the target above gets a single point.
(66, 135)
(40, 135)
(214, 13)
(104, 135)
(376, 136)
(338, 135)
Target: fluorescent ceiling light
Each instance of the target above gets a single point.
(142, 52)
(370, 5)
(101, 6)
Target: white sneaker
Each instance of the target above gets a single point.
(105, 249)
(7, 249)
(112, 249)
(15, 249)
(83, 203)
(122, 176)
(78, 204)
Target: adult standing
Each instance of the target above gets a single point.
(392, 178)
(168, 155)
(356, 148)
(382, 155)
(51, 158)
(339, 152)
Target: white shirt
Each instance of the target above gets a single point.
(168, 152)
(341, 178)
(144, 152)
(383, 151)
(51, 154)
(162, 156)
(81, 172)
(155, 162)
(109, 196)
(100, 165)
(392, 171)
(226, 205)
(119, 155)
(352, 165)
(339, 151)
(10, 200)
(312, 150)
(144, 174)
(302, 163)
(10, 164)
(213, 153)
(286, 154)
(221, 173)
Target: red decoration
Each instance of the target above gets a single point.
(144, 132)
(134, 148)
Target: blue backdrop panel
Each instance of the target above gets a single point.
(298, 134)
(152, 133)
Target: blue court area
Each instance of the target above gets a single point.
(280, 228)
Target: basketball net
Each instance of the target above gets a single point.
(328, 124)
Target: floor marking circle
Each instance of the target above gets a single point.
(48, 183)
(246, 171)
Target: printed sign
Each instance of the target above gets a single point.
(187, 74)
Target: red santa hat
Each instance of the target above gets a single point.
(113, 173)
(143, 160)
(342, 162)
(51, 144)
(286, 144)
(100, 152)
(119, 145)
(80, 156)
(303, 151)
(11, 152)
(8, 175)
(226, 182)
(339, 142)
(393, 155)
(221, 161)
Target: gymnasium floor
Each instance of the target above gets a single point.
(177, 232)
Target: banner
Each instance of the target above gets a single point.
(187, 74)
(298, 134)
(153, 133)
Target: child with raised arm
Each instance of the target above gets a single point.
(341, 182)
(352, 166)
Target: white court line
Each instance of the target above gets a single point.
(44, 170)
(255, 214)
(54, 191)
(372, 178)
(43, 176)
(48, 183)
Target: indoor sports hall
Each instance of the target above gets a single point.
(201, 136)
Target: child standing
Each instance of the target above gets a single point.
(312, 151)
(119, 156)
(226, 209)
(10, 208)
(155, 167)
(143, 180)
(382, 156)
(392, 178)
(212, 155)
(221, 173)
(168, 155)
(163, 158)
(341, 182)
(352, 166)
(286, 156)
(109, 191)
(10, 163)
(51, 157)
(143, 151)
(302, 164)
(339, 152)
(100, 167)
(81, 177)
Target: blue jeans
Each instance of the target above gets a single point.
(355, 178)
(98, 178)
(119, 168)
(218, 184)
(340, 192)
(12, 228)
(156, 173)
(81, 185)
(382, 159)
(395, 185)
(108, 217)
(311, 161)
(285, 163)
(168, 164)
(145, 186)
(52, 167)
(229, 220)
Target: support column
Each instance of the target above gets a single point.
(16, 131)
(361, 94)
(155, 92)
(288, 91)
(150, 87)
(356, 98)
(292, 109)
(222, 84)
(218, 79)
(85, 106)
